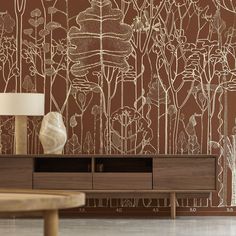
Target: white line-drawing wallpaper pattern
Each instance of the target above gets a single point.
(129, 77)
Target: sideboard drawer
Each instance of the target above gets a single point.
(16, 172)
(67, 181)
(184, 173)
(119, 181)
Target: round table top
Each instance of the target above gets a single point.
(38, 200)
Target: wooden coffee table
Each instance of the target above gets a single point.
(45, 202)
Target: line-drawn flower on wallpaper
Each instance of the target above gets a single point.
(157, 93)
(142, 23)
(73, 146)
(52, 10)
(88, 146)
(36, 22)
(73, 122)
(36, 13)
(28, 31)
(44, 32)
(61, 46)
(137, 134)
(53, 25)
(182, 143)
(7, 23)
(193, 144)
(28, 84)
(137, 24)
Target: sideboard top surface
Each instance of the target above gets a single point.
(110, 156)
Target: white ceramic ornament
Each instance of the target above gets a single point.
(53, 134)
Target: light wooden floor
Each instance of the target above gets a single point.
(183, 226)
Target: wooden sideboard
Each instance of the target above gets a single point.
(114, 176)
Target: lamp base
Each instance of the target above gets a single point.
(20, 134)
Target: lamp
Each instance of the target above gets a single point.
(21, 105)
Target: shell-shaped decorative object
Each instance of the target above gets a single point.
(53, 133)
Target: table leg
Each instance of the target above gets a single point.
(173, 205)
(51, 223)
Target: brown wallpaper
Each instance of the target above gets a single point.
(129, 77)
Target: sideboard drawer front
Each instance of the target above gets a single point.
(16, 172)
(122, 181)
(184, 173)
(72, 181)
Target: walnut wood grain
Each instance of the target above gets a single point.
(122, 181)
(62, 181)
(16, 173)
(46, 202)
(51, 223)
(109, 156)
(173, 205)
(16, 200)
(184, 173)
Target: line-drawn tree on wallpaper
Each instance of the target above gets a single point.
(224, 140)
(177, 59)
(101, 41)
(158, 96)
(228, 148)
(144, 25)
(47, 56)
(46, 59)
(8, 67)
(9, 74)
(19, 7)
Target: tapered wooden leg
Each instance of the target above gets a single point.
(173, 205)
(51, 223)
(21, 134)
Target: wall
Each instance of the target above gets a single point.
(129, 77)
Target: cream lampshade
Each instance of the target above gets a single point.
(21, 105)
